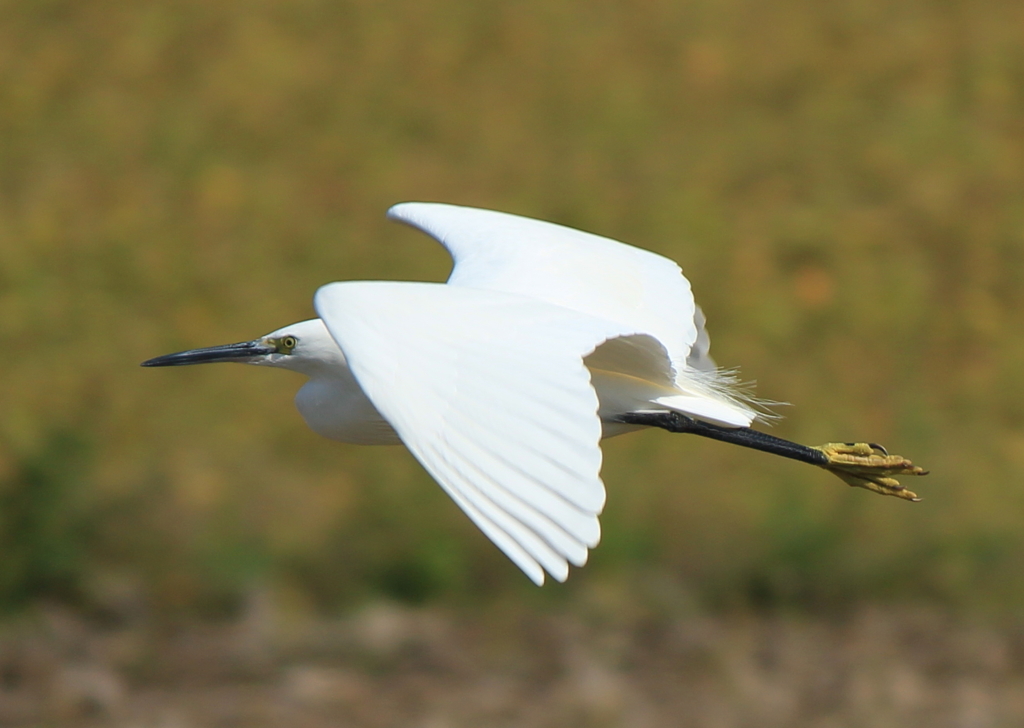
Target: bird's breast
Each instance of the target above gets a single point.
(338, 409)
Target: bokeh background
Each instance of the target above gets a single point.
(843, 184)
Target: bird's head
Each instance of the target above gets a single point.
(305, 347)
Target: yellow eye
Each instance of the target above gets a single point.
(285, 344)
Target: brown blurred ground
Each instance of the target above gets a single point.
(389, 665)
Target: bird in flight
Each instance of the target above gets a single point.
(503, 381)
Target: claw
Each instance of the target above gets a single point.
(870, 466)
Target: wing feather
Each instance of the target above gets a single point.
(493, 470)
(509, 546)
(447, 474)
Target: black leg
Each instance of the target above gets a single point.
(864, 465)
(743, 436)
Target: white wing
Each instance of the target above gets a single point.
(580, 271)
(489, 392)
(640, 290)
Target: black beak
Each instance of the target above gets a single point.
(245, 351)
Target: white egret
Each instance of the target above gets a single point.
(503, 381)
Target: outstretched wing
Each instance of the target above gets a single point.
(584, 272)
(640, 290)
(490, 393)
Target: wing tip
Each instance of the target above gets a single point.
(563, 573)
(399, 209)
(409, 212)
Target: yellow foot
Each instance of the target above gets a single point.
(869, 466)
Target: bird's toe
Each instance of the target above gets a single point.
(870, 466)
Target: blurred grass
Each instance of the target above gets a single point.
(840, 182)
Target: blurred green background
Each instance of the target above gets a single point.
(843, 184)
